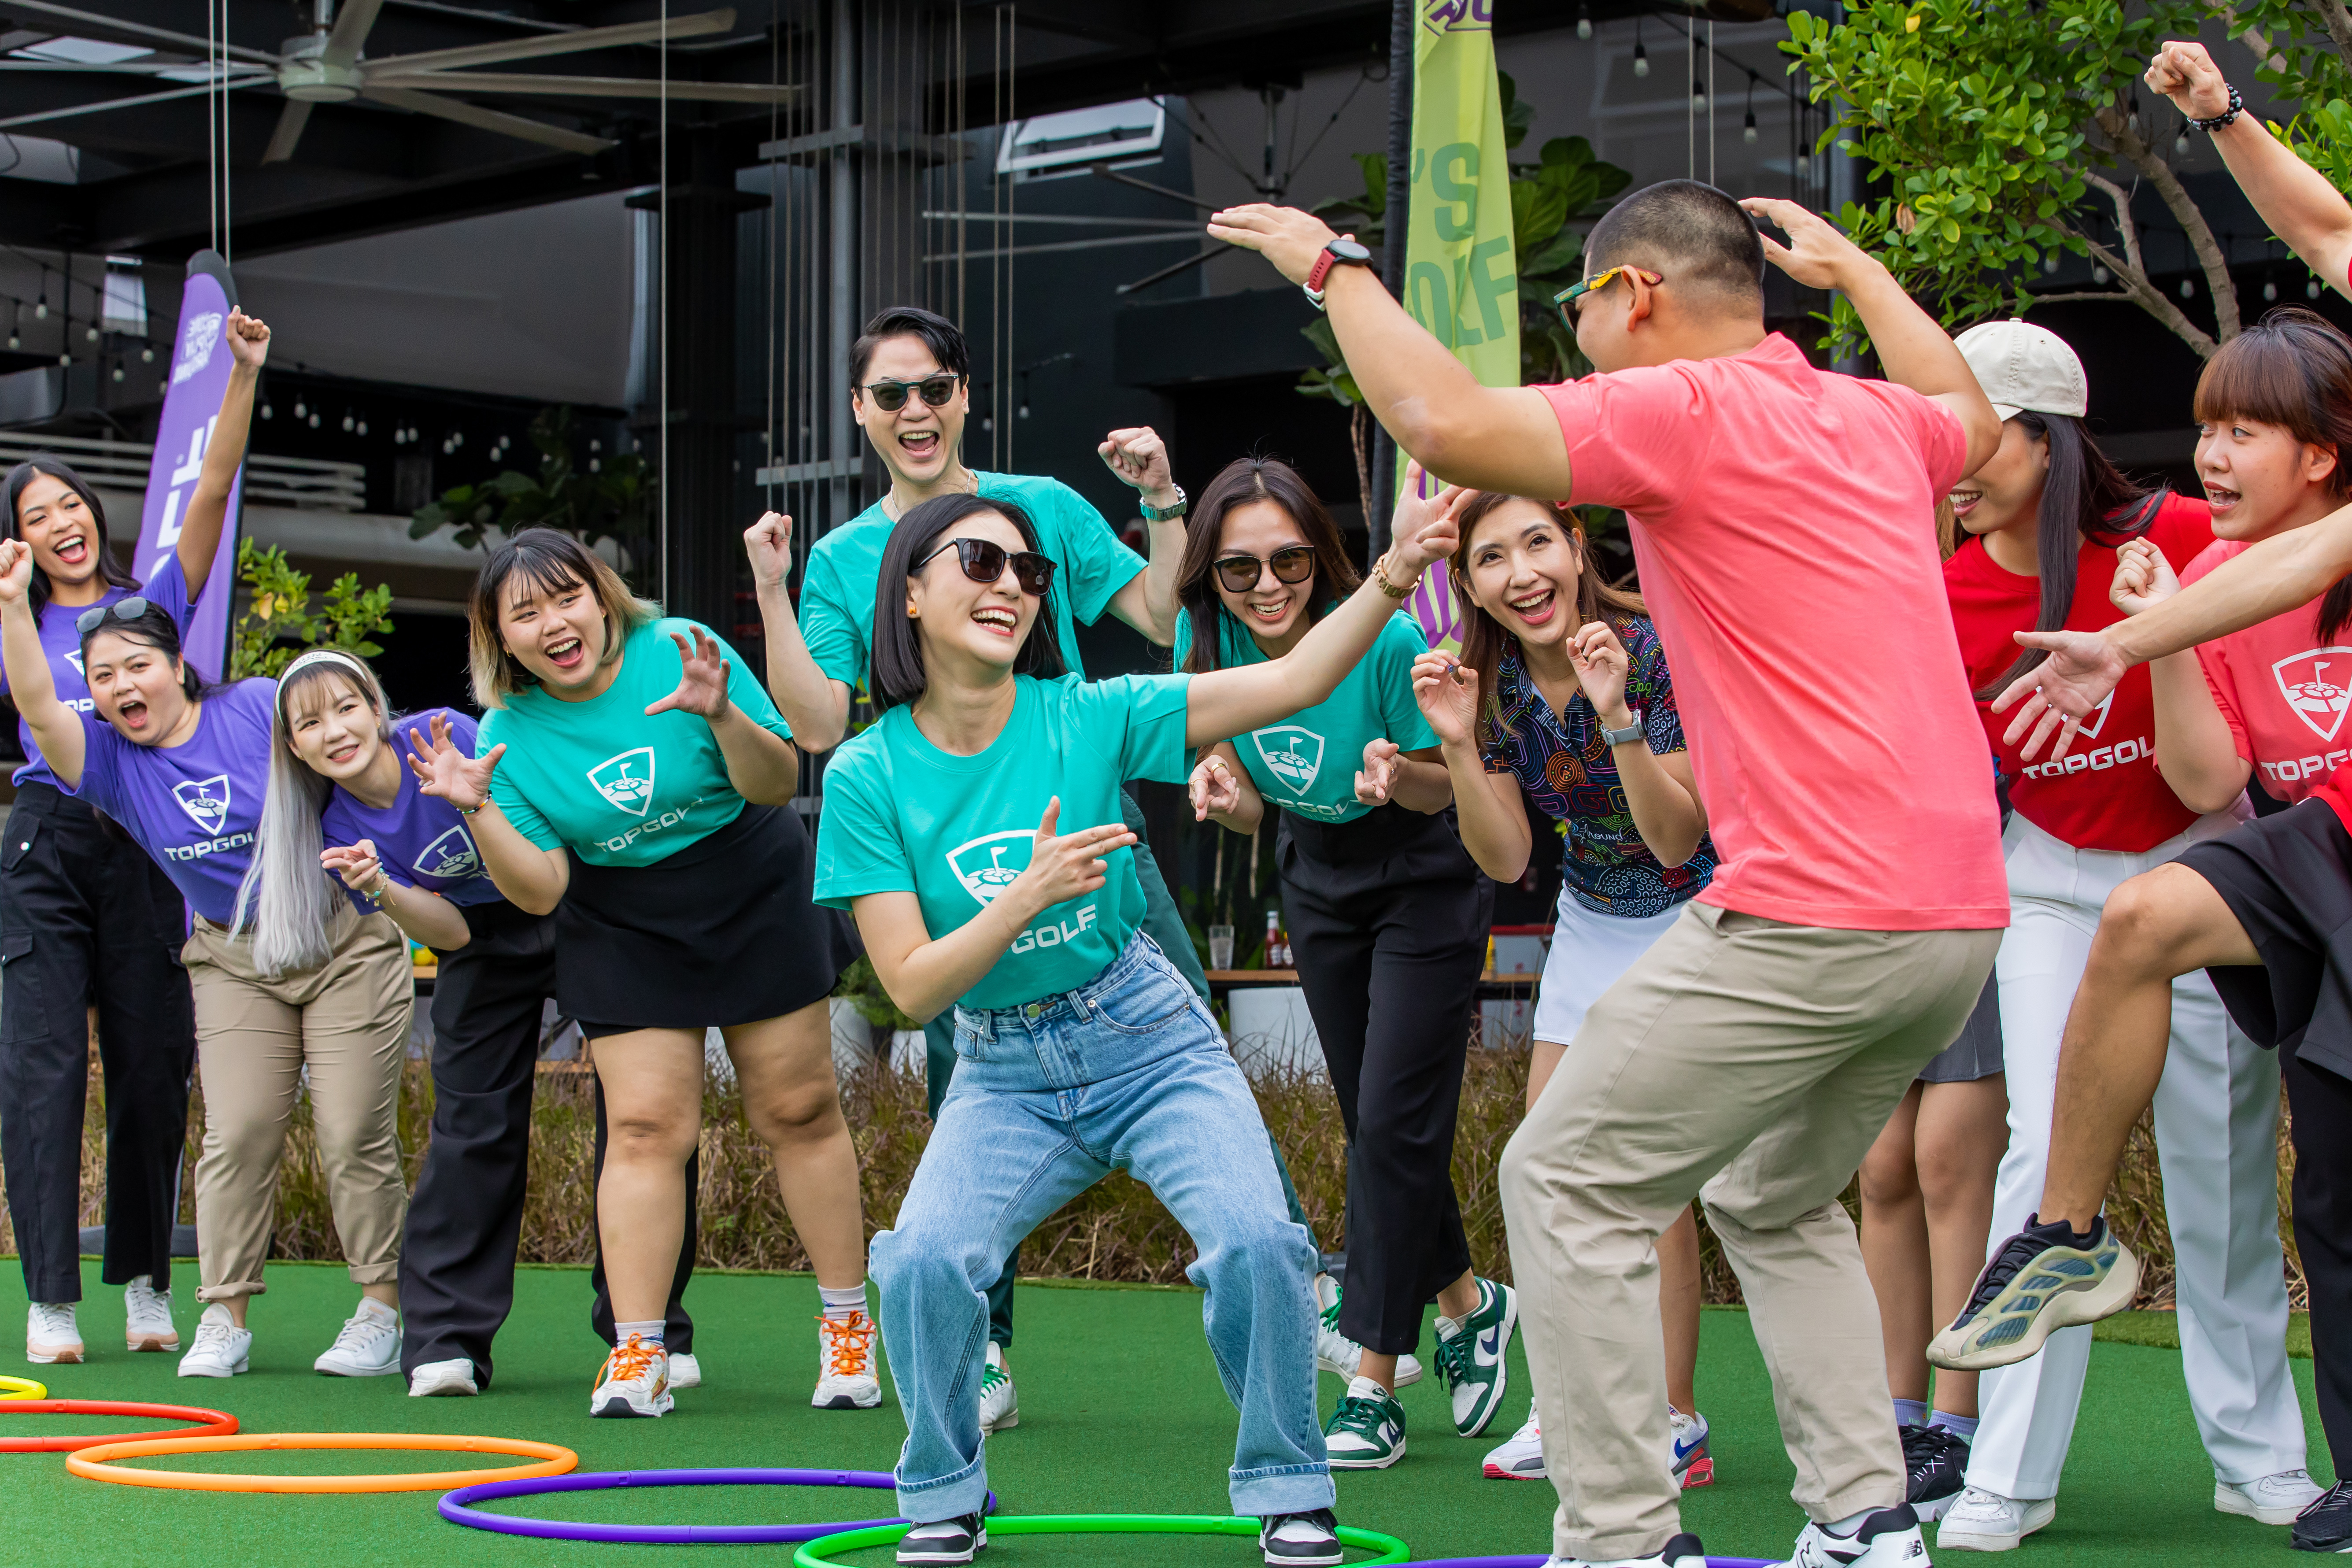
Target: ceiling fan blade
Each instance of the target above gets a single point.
(351, 25)
(296, 115)
(588, 86)
(482, 118)
(553, 43)
(101, 107)
(115, 27)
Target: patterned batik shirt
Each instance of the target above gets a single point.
(1569, 771)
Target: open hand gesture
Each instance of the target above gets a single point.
(444, 771)
(247, 339)
(769, 543)
(15, 570)
(1447, 692)
(1383, 762)
(2144, 578)
(1213, 788)
(2182, 71)
(357, 864)
(1140, 457)
(1069, 866)
(2061, 692)
(1423, 529)
(701, 679)
(1285, 236)
(1602, 665)
(1817, 255)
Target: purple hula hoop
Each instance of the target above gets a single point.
(457, 1506)
(1479, 1561)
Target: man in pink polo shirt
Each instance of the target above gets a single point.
(1783, 521)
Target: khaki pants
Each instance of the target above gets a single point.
(1752, 1063)
(346, 1023)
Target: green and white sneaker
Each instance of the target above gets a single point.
(1366, 1432)
(1473, 1356)
(1335, 1352)
(2038, 1282)
(1000, 1404)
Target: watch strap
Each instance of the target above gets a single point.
(1633, 731)
(1165, 514)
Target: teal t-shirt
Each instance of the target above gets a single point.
(837, 605)
(1308, 763)
(603, 780)
(902, 815)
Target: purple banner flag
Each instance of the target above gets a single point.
(201, 364)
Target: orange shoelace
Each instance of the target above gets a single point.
(848, 1342)
(628, 1361)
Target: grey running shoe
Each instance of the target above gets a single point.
(2038, 1282)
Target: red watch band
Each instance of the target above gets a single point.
(1324, 262)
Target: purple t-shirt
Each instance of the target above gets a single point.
(420, 839)
(192, 807)
(61, 644)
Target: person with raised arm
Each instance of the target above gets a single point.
(1848, 929)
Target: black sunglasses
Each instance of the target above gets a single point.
(129, 609)
(891, 396)
(983, 562)
(1239, 573)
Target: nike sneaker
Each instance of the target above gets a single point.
(944, 1541)
(635, 1381)
(1936, 1469)
(1986, 1521)
(1520, 1456)
(1335, 1352)
(1309, 1539)
(1000, 1404)
(2039, 1281)
(1367, 1431)
(1693, 1465)
(845, 1350)
(1473, 1356)
(1887, 1539)
(147, 1316)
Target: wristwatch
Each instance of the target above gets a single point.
(1166, 513)
(1341, 252)
(1633, 731)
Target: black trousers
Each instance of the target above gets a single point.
(2321, 1104)
(457, 1257)
(86, 917)
(1387, 921)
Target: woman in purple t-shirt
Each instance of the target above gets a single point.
(86, 917)
(183, 767)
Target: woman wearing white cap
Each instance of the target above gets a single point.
(2044, 519)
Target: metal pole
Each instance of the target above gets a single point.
(844, 326)
(1401, 15)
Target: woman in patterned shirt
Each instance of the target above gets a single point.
(1561, 694)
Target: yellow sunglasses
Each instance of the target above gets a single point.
(1566, 298)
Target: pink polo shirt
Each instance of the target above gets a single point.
(1783, 519)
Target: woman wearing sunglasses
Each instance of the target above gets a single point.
(974, 830)
(632, 781)
(87, 916)
(1388, 918)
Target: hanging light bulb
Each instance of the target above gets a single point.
(1804, 164)
(2311, 289)
(65, 359)
(399, 437)
(2188, 288)
(1641, 55)
(1584, 23)
(268, 411)
(118, 373)
(1747, 131)
(594, 444)
(457, 438)
(363, 427)
(2098, 275)
(595, 464)
(41, 306)
(90, 334)
(2270, 290)
(299, 410)
(2050, 264)
(2180, 142)
(147, 355)
(1699, 96)
(314, 419)
(15, 339)
(348, 420)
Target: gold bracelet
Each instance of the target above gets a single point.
(1380, 575)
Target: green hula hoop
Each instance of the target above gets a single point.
(819, 1553)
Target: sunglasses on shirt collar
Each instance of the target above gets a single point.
(1567, 298)
(891, 396)
(984, 561)
(129, 609)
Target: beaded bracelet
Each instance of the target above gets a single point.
(2237, 107)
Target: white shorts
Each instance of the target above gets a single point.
(1589, 951)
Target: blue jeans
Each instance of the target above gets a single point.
(1127, 1073)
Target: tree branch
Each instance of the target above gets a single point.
(2144, 293)
(2339, 24)
(2125, 225)
(2158, 172)
(2084, 294)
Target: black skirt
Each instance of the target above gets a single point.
(2288, 879)
(723, 931)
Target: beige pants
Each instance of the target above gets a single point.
(1752, 1063)
(347, 1023)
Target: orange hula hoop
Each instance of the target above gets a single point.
(215, 1423)
(96, 1463)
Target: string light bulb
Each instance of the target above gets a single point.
(2270, 290)
(1699, 96)
(147, 355)
(2188, 288)
(2099, 274)
(91, 334)
(1584, 23)
(1640, 54)
(2311, 289)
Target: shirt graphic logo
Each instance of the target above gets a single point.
(75, 660)
(450, 858)
(2317, 696)
(1294, 755)
(988, 865)
(627, 780)
(2089, 729)
(204, 800)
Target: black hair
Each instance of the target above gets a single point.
(941, 336)
(1238, 484)
(58, 468)
(1688, 231)
(898, 675)
(549, 560)
(151, 628)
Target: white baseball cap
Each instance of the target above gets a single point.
(2021, 366)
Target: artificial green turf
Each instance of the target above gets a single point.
(1122, 1412)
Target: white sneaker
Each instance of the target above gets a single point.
(1988, 1521)
(1683, 1551)
(369, 1345)
(2270, 1500)
(635, 1381)
(221, 1349)
(51, 1337)
(1520, 1457)
(844, 1359)
(999, 1404)
(147, 1317)
(1335, 1352)
(443, 1377)
(1887, 1539)
(685, 1372)
(1691, 1462)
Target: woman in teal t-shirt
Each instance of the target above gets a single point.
(975, 831)
(1388, 918)
(631, 781)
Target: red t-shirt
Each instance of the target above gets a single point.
(2104, 793)
(1783, 521)
(2284, 691)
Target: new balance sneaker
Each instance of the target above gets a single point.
(685, 1371)
(2038, 1282)
(1309, 1539)
(1936, 1467)
(2326, 1524)
(437, 1379)
(2278, 1498)
(221, 1350)
(635, 1381)
(1886, 1538)
(1000, 1406)
(1986, 1521)
(368, 1346)
(1367, 1431)
(1691, 1461)
(844, 1357)
(1520, 1457)
(51, 1337)
(1473, 1356)
(1335, 1352)
(147, 1316)
(948, 1541)
(1683, 1551)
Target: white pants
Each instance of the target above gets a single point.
(2217, 1141)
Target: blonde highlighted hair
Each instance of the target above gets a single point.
(550, 561)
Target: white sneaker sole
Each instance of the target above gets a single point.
(2066, 1310)
(1005, 1422)
(619, 1406)
(1930, 1512)
(217, 1370)
(442, 1388)
(1495, 1472)
(53, 1355)
(166, 1340)
(950, 1557)
(1502, 1366)
(351, 1369)
(1409, 1369)
(2227, 1499)
(1367, 1463)
(2038, 1515)
(1329, 1560)
(865, 1398)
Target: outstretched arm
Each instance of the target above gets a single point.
(207, 513)
(56, 727)
(2195, 751)
(533, 880)
(815, 704)
(763, 767)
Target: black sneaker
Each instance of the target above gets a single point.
(2326, 1524)
(1309, 1539)
(1936, 1462)
(949, 1540)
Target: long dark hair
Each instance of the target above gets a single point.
(1239, 483)
(58, 468)
(2084, 498)
(898, 674)
(151, 628)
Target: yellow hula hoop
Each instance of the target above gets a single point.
(22, 1388)
(96, 1463)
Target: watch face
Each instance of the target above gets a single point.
(1348, 250)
